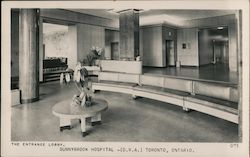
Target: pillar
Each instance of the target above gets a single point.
(41, 49)
(129, 34)
(28, 55)
(15, 43)
(239, 65)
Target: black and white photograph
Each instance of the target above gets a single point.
(125, 79)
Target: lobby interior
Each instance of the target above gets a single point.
(188, 45)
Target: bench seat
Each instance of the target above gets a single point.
(224, 109)
(213, 99)
(119, 84)
(161, 94)
(114, 86)
(162, 91)
(209, 101)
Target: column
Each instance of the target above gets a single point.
(239, 66)
(41, 49)
(28, 55)
(129, 34)
(232, 35)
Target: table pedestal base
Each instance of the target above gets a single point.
(68, 127)
(96, 123)
(84, 134)
(65, 123)
(96, 120)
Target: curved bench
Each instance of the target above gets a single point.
(215, 99)
(116, 82)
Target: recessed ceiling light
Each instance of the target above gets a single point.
(220, 27)
(123, 10)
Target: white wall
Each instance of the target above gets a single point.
(72, 33)
(233, 55)
(61, 42)
(152, 46)
(110, 36)
(56, 44)
(190, 55)
(205, 48)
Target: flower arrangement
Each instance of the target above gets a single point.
(84, 98)
(95, 53)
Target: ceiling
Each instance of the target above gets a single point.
(218, 34)
(147, 17)
(155, 16)
(174, 17)
(181, 14)
(49, 28)
(97, 12)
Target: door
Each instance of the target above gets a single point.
(221, 52)
(170, 54)
(115, 51)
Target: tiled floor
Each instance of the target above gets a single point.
(217, 72)
(125, 120)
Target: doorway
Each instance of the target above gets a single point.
(220, 52)
(213, 46)
(114, 50)
(170, 53)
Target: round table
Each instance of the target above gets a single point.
(66, 112)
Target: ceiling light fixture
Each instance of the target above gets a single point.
(220, 28)
(123, 10)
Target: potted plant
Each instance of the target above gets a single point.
(89, 62)
(83, 84)
(94, 54)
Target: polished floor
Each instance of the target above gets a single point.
(140, 120)
(211, 72)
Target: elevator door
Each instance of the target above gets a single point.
(220, 52)
(170, 56)
(115, 51)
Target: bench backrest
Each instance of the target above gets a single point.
(152, 80)
(130, 67)
(216, 90)
(118, 77)
(169, 83)
(193, 87)
(178, 84)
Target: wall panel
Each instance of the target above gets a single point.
(111, 36)
(189, 55)
(232, 33)
(87, 37)
(14, 43)
(72, 55)
(152, 46)
(205, 48)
